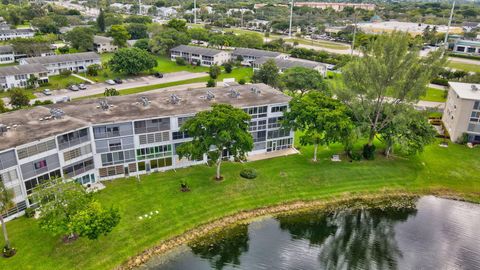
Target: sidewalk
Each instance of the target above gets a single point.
(274, 154)
(83, 78)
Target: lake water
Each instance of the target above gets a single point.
(438, 234)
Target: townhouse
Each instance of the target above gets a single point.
(75, 62)
(8, 34)
(6, 54)
(286, 63)
(248, 56)
(103, 44)
(22, 76)
(195, 55)
(98, 139)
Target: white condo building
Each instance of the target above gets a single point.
(204, 56)
(75, 62)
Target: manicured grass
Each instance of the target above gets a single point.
(435, 95)
(320, 43)
(464, 66)
(283, 179)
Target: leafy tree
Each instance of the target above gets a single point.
(249, 40)
(211, 83)
(228, 67)
(81, 38)
(163, 41)
(181, 61)
(2, 107)
(220, 40)
(93, 70)
(137, 30)
(6, 203)
(64, 49)
(113, 19)
(46, 25)
(138, 19)
(177, 24)
(199, 34)
(214, 71)
(267, 74)
(302, 80)
(119, 34)
(30, 46)
(142, 44)
(67, 209)
(322, 119)
(110, 92)
(224, 128)
(18, 97)
(132, 61)
(389, 74)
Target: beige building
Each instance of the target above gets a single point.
(104, 44)
(335, 6)
(204, 56)
(462, 111)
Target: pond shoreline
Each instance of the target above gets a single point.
(347, 201)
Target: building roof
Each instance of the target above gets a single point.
(290, 62)
(20, 30)
(468, 42)
(466, 90)
(62, 58)
(6, 49)
(196, 50)
(102, 39)
(82, 113)
(255, 52)
(22, 69)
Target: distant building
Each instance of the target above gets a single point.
(103, 44)
(4, 26)
(249, 56)
(335, 6)
(204, 56)
(6, 54)
(411, 28)
(467, 47)
(166, 12)
(75, 62)
(238, 10)
(286, 63)
(462, 111)
(470, 26)
(18, 76)
(8, 34)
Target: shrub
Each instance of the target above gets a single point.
(92, 70)
(66, 72)
(64, 49)
(180, 61)
(214, 71)
(9, 252)
(369, 152)
(463, 139)
(355, 156)
(242, 81)
(248, 173)
(440, 81)
(228, 67)
(45, 102)
(29, 212)
(211, 83)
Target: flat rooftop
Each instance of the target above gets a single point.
(466, 90)
(25, 126)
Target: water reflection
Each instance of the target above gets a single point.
(439, 234)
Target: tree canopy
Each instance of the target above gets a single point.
(18, 97)
(132, 61)
(119, 34)
(267, 74)
(301, 80)
(163, 41)
(81, 38)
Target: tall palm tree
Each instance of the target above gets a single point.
(6, 203)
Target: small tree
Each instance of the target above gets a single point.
(101, 21)
(18, 97)
(267, 74)
(95, 220)
(181, 61)
(110, 92)
(132, 61)
(93, 70)
(119, 34)
(2, 106)
(81, 38)
(6, 203)
(224, 128)
(211, 83)
(322, 119)
(214, 71)
(228, 67)
(301, 80)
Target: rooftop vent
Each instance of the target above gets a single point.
(3, 129)
(104, 105)
(233, 93)
(145, 101)
(56, 113)
(255, 90)
(209, 95)
(474, 88)
(174, 99)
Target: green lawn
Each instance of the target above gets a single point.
(464, 66)
(280, 180)
(435, 95)
(320, 43)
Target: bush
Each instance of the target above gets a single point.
(242, 81)
(228, 67)
(463, 139)
(64, 49)
(9, 252)
(180, 61)
(440, 81)
(45, 102)
(214, 71)
(369, 152)
(248, 173)
(211, 83)
(355, 156)
(29, 212)
(66, 72)
(92, 70)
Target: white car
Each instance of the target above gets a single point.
(73, 87)
(111, 82)
(47, 92)
(82, 86)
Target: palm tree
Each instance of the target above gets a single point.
(6, 203)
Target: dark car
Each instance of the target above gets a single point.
(118, 81)
(158, 75)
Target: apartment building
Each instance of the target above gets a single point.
(94, 140)
(6, 54)
(462, 111)
(19, 76)
(204, 56)
(8, 34)
(471, 47)
(335, 6)
(248, 56)
(103, 44)
(286, 63)
(75, 62)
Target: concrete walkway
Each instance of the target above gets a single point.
(83, 78)
(274, 154)
(436, 86)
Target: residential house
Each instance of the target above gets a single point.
(8, 34)
(249, 56)
(204, 56)
(286, 63)
(6, 54)
(19, 76)
(166, 12)
(75, 62)
(103, 44)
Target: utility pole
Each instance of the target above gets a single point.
(445, 42)
(354, 31)
(291, 18)
(195, 11)
(139, 7)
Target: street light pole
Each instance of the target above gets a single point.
(354, 31)
(195, 11)
(445, 42)
(291, 18)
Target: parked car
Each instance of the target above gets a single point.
(111, 82)
(118, 80)
(158, 75)
(47, 92)
(82, 86)
(73, 87)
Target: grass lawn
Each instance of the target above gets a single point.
(320, 43)
(435, 95)
(280, 180)
(464, 66)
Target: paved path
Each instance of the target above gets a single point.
(430, 105)
(436, 86)
(464, 60)
(83, 78)
(128, 83)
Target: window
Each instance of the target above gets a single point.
(73, 138)
(257, 112)
(182, 120)
(476, 105)
(152, 125)
(31, 183)
(258, 125)
(78, 168)
(177, 135)
(77, 152)
(276, 109)
(274, 122)
(273, 134)
(40, 164)
(36, 149)
(115, 146)
(154, 152)
(154, 137)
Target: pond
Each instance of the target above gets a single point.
(436, 234)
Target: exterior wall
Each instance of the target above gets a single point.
(204, 60)
(456, 116)
(105, 47)
(108, 151)
(12, 34)
(6, 58)
(74, 66)
(467, 48)
(12, 81)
